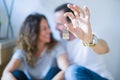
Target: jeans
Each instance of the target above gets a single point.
(52, 72)
(19, 75)
(77, 72)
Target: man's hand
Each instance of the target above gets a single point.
(80, 27)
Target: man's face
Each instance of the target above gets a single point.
(60, 21)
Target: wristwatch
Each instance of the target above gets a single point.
(94, 42)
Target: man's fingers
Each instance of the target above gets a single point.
(70, 15)
(87, 12)
(79, 32)
(77, 10)
(69, 27)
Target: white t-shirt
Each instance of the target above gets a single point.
(43, 64)
(85, 56)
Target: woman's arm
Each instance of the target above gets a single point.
(63, 63)
(12, 65)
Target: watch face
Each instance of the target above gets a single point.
(95, 39)
(3, 21)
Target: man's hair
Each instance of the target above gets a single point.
(64, 8)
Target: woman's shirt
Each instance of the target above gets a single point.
(43, 63)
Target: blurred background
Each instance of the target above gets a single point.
(105, 21)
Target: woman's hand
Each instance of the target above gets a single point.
(12, 66)
(8, 76)
(80, 26)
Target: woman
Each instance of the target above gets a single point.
(36, 50)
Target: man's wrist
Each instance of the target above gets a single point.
(93, 43)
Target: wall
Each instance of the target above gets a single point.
(104, 20)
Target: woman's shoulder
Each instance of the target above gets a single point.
(19, 52)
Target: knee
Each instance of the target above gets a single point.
(72, 71)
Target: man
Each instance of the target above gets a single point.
(85, 63)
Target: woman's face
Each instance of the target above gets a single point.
(44, 34)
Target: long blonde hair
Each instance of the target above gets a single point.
(28, 37)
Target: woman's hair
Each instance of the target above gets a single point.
(28, 37)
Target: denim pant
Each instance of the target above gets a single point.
(22, 76)
(77, 72)
(74, 72)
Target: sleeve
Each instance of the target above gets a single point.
(60, 49)
(19, 54)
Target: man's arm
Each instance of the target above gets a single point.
(80, 27)
(101, 47)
